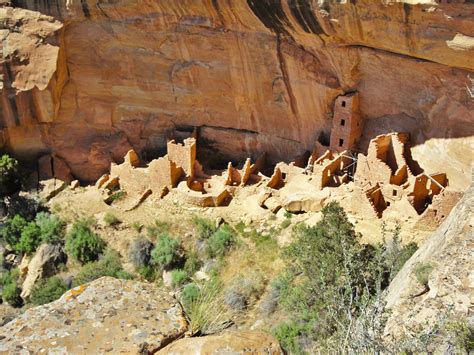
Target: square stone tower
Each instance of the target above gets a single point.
(347, 123)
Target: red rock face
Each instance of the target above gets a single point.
(253, 76)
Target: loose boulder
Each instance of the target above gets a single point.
(42, 265)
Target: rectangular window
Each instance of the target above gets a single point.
(343, 104)
(341, 142)
(394, 192)
(343, 122)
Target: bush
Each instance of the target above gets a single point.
(422, 272)
(11, 295)
(286, 223)
(9, 177)
(243, 291)
(157, 228)
(148, 272)
(288, 335)
(178, 277)
(51, 228)
(332, 278)
(189, 294)
(206, 228)
(111, 220)
(48, 290)
(29, 239)
(220, 242)
(10, 289)
(10, 231)
(108, 265)
(82, 243)
(166, 253)
(192, 264)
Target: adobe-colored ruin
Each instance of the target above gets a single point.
(347, 123)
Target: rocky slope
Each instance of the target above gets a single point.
(254, 76)
(449, 293)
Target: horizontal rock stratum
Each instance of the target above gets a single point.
(252, 76)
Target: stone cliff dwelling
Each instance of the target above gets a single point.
(382, 180)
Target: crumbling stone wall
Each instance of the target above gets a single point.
(184, 155)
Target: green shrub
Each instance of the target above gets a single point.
(192, 264)
(288, 215)
(286, 223)
(51, 228)
(220, 242)
(461, 335)
(189, 294)
(108, 265)
(148, 272)
(157, 228)
(10, 231)
(11, 295)
(288, 334)
(82, 243)
(206, 228)
(30, 239)
(111, 220)
(166, 253)
(9, 177)
(422, 272)
(330, 275)
(48, 290)
(178, 277)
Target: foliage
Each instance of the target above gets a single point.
(9, 177)
(82, 243)
(29, 239)
(11, 229)
(396, 255)
(288, 215)
(192, 264)
(148, 272)
(157, 228)
(332, 279)
(207, 313)
(220, 241)
(244, 290)
(48, 290)
(461, 334)
(422, 272)
(206, 228)
(178, 277)
(189, 294)
(108, 265)
(166, 253)
(286, 223)
(111, 220)
(288, 334)
(11, 295)
(10, 289)
(51, 228)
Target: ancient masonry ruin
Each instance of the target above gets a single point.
(382, 179)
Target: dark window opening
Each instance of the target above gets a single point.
(341, 142)
(388, 204)
(343, 104)
(394, 192)
(343, 122)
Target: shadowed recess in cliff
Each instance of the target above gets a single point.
(302, 10)
(272, 15)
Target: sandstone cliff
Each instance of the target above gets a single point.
(253, 75)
